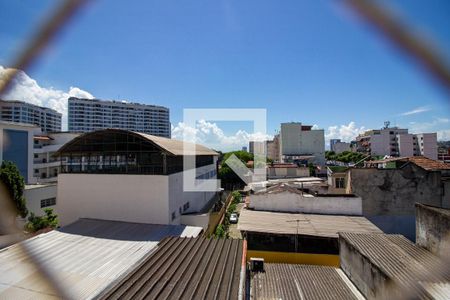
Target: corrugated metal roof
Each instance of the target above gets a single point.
(79, 260)
(172, 146)
(183, 268)
(284, 281)
(402, 261)
(176, 147)
(309, 224)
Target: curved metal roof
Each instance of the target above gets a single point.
(172, 146)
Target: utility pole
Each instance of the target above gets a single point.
(296, 236)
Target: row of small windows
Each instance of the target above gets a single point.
(48, 202)
(207, 175)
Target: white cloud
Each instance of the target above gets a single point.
(211, 135)
(433, 126)
(344, 132)
(26, 89)
(416, 110)
(443, 135)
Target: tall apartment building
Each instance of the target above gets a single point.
(47, 119)
(394, 141)
(87, 115)
(301, 142)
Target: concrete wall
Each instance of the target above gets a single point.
(293, 202)
(198, 220)
(368, 278)
(34, 195)
(129, 198)
(392, 194)
(433, 230)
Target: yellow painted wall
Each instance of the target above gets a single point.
(295, 258)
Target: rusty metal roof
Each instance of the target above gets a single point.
(185, 268)
(285, 281)
(79, 260)
(405, 263)
(421, 161)
(309, 224)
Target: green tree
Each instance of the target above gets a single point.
(49, 220)
(220, 231)
(10, 176)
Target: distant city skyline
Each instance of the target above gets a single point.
(309, 62)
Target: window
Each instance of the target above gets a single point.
(48, 202)
(174, 215)
(340, 183)
(186, 206)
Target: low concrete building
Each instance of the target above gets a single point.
(433, 230)
(288, 281)
(286, 170)
(298, 238)
(284, 197)
(336, 177)
(390, 188)
(40, 196)
(127, 176)
(388, 266)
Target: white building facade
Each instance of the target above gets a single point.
(299, 142)
(127, 176)
(86, 115)
(47, 119)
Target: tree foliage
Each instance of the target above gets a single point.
(10, 176)
(49, 220)
(346, 156)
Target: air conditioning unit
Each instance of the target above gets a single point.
(256, 264)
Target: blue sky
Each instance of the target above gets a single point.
(308, 61)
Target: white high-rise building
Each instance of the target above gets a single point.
(302, 143)
(394, 141)
(87, 115)
(47, 119)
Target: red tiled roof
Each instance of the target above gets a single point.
(421, 161)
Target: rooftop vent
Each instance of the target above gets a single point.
(257, 264)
